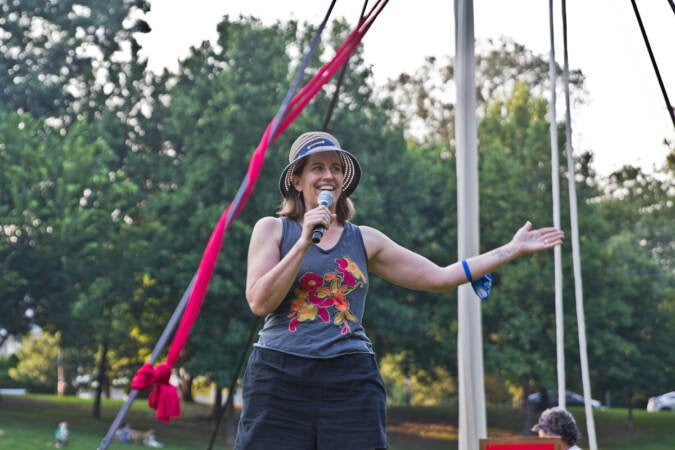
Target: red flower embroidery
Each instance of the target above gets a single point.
(316, 295)
(311, 281)
(323, 313)
(350, 271)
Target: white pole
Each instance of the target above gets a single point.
(472, 418)
(576, 258)
(555, 188)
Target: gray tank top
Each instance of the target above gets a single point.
(321, 316)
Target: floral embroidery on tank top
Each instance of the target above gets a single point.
(319, 296)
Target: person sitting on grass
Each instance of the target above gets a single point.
(127, 434)
(61, 435)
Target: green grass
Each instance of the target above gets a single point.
(650, 431)
(28, 423)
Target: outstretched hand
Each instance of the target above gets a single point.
(530, 240)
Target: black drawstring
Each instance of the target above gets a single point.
(671, 111)
(333, 102)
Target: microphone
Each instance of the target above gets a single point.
(325, 199)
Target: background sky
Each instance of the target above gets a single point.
(624, 120)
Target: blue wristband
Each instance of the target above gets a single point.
(481, 286)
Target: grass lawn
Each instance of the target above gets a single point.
(28, 423)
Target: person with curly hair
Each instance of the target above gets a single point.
(557, 422)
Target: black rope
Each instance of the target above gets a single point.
(671, 111)
(222, 411)
(333, 102)
(566, 77)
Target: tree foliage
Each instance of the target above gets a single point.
(37, 357)
(113, 179)
(65, 58)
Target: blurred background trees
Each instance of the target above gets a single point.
(113, 177)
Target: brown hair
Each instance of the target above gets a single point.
(293, 204)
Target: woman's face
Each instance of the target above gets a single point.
(544, 434)
(323, 172)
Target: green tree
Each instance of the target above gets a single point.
(515, 177)
(70, 231)
(60, 59)
(68, 64)
(513, 137)
(427, 110)
(635, 330)
(638, 262)
(37, 357)
(515, 185)
(622, 267)
(26, 262)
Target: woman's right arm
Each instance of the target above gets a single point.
(269, 278)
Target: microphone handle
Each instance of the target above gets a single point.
(325, 199)
(317, 234)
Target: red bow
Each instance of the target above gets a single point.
(164, 397)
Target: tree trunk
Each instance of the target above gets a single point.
(107, 385)
(100, 377)
(630, 423)
(61, 380)
(186, 386)
(217, 403)
(230, 427)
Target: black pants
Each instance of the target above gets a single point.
(295, 403)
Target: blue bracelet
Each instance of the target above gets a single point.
(481, 286)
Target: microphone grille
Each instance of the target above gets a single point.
(325, 198)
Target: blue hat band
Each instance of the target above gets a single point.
(320, 142)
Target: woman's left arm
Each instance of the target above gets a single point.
(406, 268)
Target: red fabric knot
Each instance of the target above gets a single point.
(144, 378)
(164, 397)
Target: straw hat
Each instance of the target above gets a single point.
(316, 142)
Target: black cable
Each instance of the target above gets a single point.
(222, 410)
(566, 77)
(671, 111)
(672, 5)
(333, 102)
